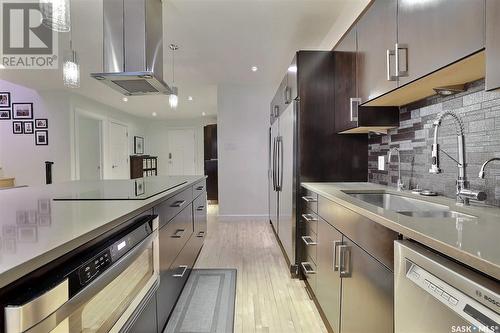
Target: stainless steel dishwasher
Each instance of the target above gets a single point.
(434, 294)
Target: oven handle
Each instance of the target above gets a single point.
(21, 318)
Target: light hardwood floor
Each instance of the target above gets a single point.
(267, 299)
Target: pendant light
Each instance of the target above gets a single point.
(56, 14)
(71, 66)
(173, 99)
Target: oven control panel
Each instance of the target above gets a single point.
(94, 266)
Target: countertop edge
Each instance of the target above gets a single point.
(35, 263)
(476, 263)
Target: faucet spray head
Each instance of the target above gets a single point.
(481, 174)
(435, 160)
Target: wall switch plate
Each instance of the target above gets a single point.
(381, 163)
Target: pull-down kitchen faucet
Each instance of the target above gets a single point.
(464, 194)
(481, 172)
(400, 184)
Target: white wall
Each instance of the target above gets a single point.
(25, 161)
(157, 141)
(242, 134)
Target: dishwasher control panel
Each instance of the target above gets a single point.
(474, 312)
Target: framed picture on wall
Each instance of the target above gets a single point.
(4, 99)
(41, 138)
(17, 127)
(138, 145)
(4, 114)
(139, 187)
(28, 127)
(41, 123)
(22, 110)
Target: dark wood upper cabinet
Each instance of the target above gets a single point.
(376, 34)
(434, 34)
(492, 44)
(345, 80)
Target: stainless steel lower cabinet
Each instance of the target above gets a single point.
(367, 292)
(172, 281)
(328, 281)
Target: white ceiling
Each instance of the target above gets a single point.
(220, 40)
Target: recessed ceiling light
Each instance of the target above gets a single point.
(125, 99)
(190, 98)
(203, 114)
(254, 69)
(154, 114)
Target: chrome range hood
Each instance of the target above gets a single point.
(133, 47)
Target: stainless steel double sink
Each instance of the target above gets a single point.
(408, 206)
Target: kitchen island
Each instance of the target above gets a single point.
(145, 231)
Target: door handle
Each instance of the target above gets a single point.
(308, 240)
(336, 254)
(309, 199)
(399, 47)
(354, 106)
(309, 217)
(184, 269)
(306, 266)
(178, 203)
(178, 233)
(345, 261)
(389, 54)
(281, 163)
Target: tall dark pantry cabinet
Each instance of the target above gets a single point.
(304, 147)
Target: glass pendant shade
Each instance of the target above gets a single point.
(173, 99)
(71, 70)
(56, 14)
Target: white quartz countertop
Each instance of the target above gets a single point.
(472, 241)
(35, 229)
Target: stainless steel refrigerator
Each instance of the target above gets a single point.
(281, 178)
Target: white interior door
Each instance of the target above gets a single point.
(181, 152)
(89, 148)
(118, 151)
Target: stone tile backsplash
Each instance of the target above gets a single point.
(480, 113)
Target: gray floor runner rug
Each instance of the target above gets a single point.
(206, 304)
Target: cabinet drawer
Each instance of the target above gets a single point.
(309, 200)
(173, 236)
(199, 188)
(309, 269)
(200, 215)
(369, 235)
(172, 281)
(309, 222)
(173, 205)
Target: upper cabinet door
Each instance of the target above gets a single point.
(345, 81)
(376, 32)
(492, 44)
(292, 79)
(437, 33)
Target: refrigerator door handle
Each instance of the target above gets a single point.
(280, 182)
(274, 164)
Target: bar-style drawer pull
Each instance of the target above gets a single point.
(184, 269)
(307, 268)
(201, 234)
(309, 199)
(178, 203)
(199, 188)
(200, 208)
(308, 240)
(336, 254)
(309, 217)
(178, 233)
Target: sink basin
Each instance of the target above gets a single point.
(408, 206)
